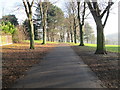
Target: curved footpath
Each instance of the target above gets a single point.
(61, 68)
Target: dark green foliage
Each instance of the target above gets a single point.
(10, 18)
(55, 18)
(8, 28)
(55, 15)
(55, 22)
(26, 25)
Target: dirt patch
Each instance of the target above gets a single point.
(18, 58)
(105, 66)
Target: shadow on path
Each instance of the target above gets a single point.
(61, 68)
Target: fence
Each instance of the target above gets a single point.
(5, 40)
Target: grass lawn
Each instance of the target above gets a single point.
(110, 48)
(105, 66)
(40, 41)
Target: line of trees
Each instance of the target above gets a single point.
(100, 17)
(54, 25)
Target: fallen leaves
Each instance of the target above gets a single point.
(105, 66)
(18, 58)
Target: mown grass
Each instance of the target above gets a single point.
(110, 48)
(40, 41)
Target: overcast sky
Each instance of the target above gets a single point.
(15, 7)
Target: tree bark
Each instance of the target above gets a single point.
(68, 36)
(100, 41)
(75, 32)
(43, 12)
(94, 8)
(31, 34)
(44, 30)
(81, 35)
(28, 10)
(48, 36)
(71, 33)
(87, 40)
(75, 37)
(81, 23)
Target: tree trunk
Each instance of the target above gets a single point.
(100, 41)
(71, 34)
(75, 36)
(74, 28)
(81, 35)
(44, 34)
(44, 28)
(28, 10)
(87, 39)
(68, 37)
(48, 36)
(31, 34)
(98, 16)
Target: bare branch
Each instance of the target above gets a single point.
(26, 8)
(91, 8)
(83, 15)
(108, 11)
(32, 3)
(78, 3)
(107, 8)
(90, 5)
(96, 8)
(41, 8)
(55, 2)
(28, 3)
(106, 19)
(87, 15)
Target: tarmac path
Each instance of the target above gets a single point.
(60, 68)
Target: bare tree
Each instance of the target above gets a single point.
(28, 9)
(73, 7)
(98, 17)
(43, 12)
(69, 23)
(81, 21)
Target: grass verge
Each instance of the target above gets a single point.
(40, 42)
(104, 66)
(109, 48)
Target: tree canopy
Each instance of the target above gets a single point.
(11, 18)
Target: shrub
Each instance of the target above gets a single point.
(19, 34)
(7, 28)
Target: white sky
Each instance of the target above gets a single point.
(9, 7)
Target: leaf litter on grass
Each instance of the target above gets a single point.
(105, 66)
